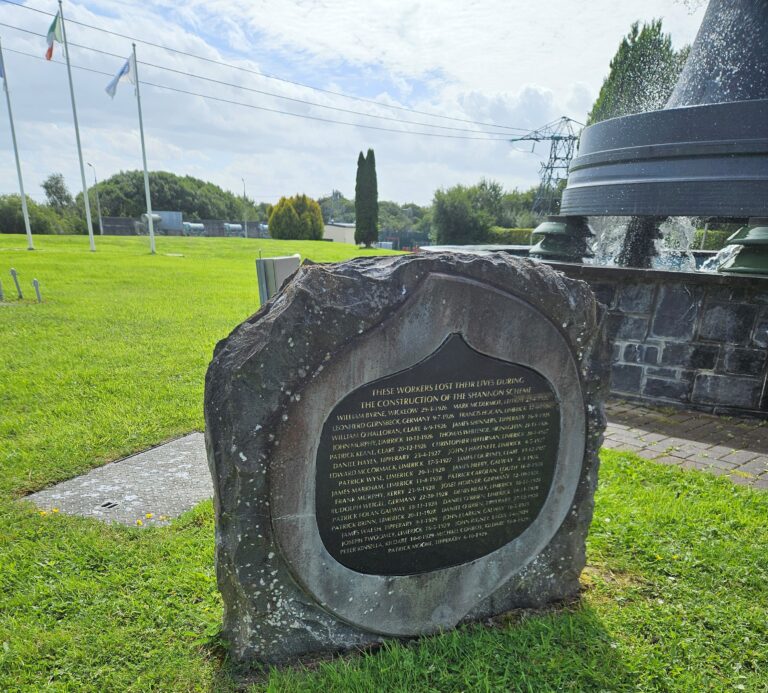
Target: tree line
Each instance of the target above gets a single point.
(460, 214)
(641, 77)
(122, 195)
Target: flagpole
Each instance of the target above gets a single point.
(150, 221)
(88, 221)
(25, 212)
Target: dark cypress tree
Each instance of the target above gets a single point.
(360, 195)
(372, 191)
(366, 200)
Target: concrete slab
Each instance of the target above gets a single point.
(148, 488)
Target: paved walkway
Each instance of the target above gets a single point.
(159, 484)
(719, 445)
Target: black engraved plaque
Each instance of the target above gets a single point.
(437, 465)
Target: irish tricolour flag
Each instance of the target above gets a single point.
(54, 34)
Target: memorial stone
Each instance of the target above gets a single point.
(400, 445)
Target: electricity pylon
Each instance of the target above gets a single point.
(562, 135)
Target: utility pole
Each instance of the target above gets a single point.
(98, 205)
(245, 211)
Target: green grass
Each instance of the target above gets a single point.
(676, 592)
(113, 361)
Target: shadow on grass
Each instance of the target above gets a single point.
(565, 647)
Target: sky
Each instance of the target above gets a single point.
(475, 67)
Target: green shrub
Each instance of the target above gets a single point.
(459, 218)
(296, 218)
(715, 239)
(499, 235)
(42, 219)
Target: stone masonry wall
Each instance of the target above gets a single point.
(684, 338)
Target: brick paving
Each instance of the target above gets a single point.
(154, 486)
(721, 445)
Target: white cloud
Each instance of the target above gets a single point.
(511, 63)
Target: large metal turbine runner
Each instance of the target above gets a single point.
(706, 153)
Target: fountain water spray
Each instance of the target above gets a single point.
(705, 154)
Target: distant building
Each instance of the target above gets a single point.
(171, 221)
(340, 232)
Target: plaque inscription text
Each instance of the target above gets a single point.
(437, 465)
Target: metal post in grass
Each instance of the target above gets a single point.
(36, 284)
(16, 281)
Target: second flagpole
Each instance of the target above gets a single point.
(150, 221)
(88, 221)
(24, 210)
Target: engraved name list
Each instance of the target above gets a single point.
(437, 465)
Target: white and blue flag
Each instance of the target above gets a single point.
(127, 71)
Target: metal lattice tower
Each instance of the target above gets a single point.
(562, 135)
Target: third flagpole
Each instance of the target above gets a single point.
(150, 221)
(25, 211)
(88, 221)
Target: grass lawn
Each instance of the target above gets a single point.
(676, 592)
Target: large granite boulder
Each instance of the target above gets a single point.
(400, 445)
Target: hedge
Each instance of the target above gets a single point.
(499, 235)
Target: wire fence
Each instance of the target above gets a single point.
(128, 226)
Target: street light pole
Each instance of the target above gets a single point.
(98, 205)
(245, 210)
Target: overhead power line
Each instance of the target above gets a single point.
(494, 138)
(562, 135)
(261, 91)
(267, 75)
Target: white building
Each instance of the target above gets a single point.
(340, 232)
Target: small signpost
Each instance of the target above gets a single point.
(271, 272)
